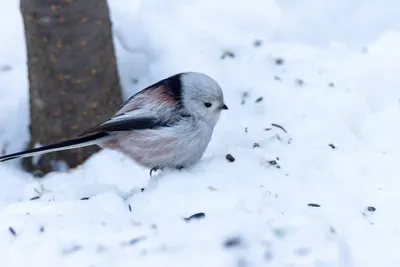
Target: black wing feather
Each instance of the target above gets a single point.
(66, 143)
(132, 124)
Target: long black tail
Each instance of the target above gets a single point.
(65, 145)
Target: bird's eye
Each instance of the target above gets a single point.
(207, 105)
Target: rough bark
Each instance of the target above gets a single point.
(73, 79)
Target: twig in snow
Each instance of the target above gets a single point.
(244, 97)
(278, 126)
(136, 240)
(256, 145)
(233, 242)
(12, 231)
(313, 205)
(258, 100)
(199, 215)
(227, 53)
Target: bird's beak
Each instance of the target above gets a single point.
(224, 107)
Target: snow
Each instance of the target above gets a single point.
(336, 93)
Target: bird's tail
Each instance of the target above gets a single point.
(65, 145)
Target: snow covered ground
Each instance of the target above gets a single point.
(323, 194)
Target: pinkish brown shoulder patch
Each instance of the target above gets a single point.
(161, 95)
(156, 96)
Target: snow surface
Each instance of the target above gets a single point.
(339, 84)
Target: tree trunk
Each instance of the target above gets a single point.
(73, 78)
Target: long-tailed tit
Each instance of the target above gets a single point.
(168, 124)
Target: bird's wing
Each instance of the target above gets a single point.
(153, 107)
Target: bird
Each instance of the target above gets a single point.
(168, 124)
